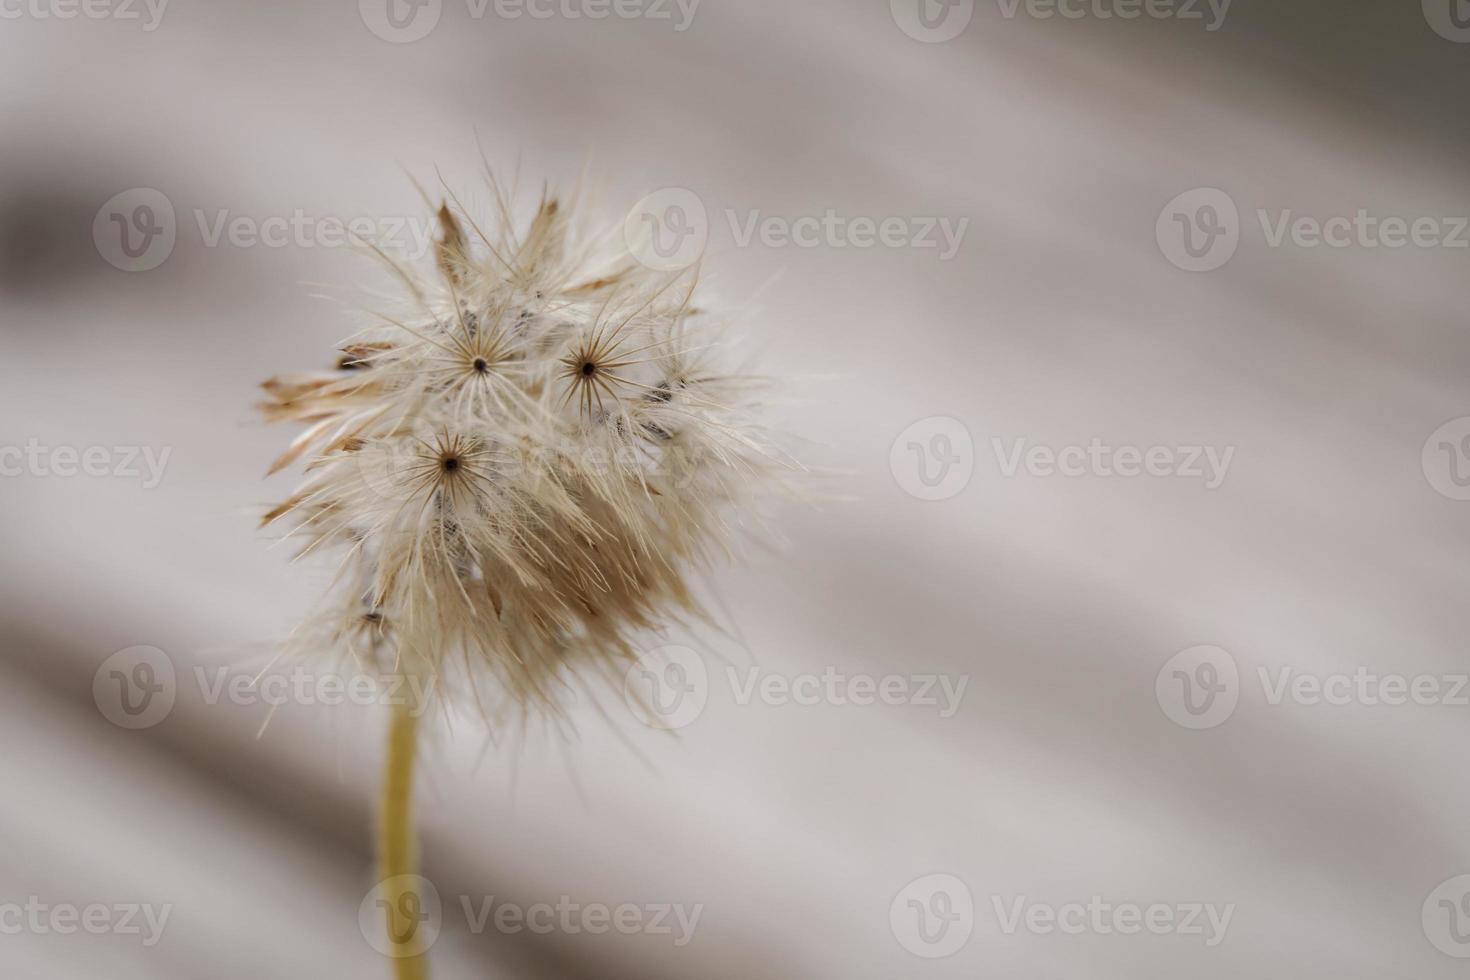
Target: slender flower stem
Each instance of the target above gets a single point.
(397, 853)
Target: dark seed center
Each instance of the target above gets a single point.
(481, 365)
(451, 463)
(588, 369)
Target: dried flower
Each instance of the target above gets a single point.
(522, 468)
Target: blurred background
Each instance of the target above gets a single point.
(1159, 496)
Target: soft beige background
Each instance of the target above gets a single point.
(1060, 599)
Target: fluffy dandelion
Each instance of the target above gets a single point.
(518, 468)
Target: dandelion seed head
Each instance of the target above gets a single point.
(520, 470)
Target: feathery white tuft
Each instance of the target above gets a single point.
(521, 470)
